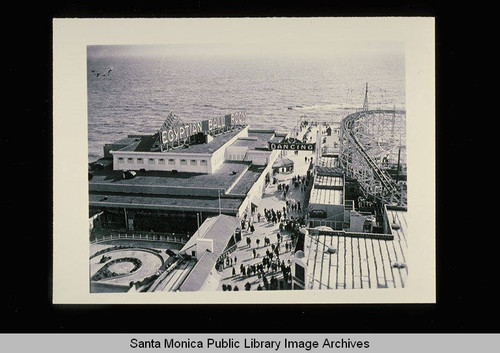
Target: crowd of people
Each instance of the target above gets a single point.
(270, 269)
(225, 261)
(272, 272)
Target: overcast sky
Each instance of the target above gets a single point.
(264, 49)
(246, 36)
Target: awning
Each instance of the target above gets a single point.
(283, 162)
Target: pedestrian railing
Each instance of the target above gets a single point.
(341, 233)
(145, 237)
(227, 252)
(231, 249)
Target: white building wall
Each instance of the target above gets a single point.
(182, 162)
(219, 156)
(168, 161)
(202, 245)
(236, 153)
(258, 157)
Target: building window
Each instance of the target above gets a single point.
(151, 161)
(193, 162)
(203, 162)
(120, 160)
(171, 161)
(183, 162)
(140, 161)
(161, 161)
(130, 160)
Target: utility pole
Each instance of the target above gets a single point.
(126, 218)
(365, 104)
(218, 192)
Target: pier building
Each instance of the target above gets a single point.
(350, 260)
(143, 184)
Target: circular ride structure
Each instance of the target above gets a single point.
(125, 265)
(373, 152)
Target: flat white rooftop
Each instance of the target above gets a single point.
(358, 263)
(327, 190)
(326, 197)
(328, 181)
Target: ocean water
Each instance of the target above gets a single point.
(138, 93)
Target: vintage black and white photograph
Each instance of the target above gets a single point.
(248, 164)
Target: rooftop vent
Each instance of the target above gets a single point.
(331, 250)
(399, 265)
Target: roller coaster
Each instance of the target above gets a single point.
(373, 152)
